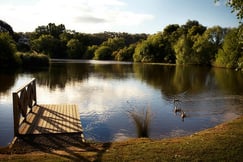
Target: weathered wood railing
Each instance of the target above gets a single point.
(24, 99)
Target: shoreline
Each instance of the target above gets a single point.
(226, 135)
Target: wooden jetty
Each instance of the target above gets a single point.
(31, 118)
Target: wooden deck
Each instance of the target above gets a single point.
(31, 118)
(46, 119)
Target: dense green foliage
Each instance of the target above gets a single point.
(9, 47)
(7, 50)
(89, 53)
(125, 54)
(75, 49)
(33, 60)
(237, 7)
(57, 42)
(49, 45)
(5, 27)
(191, 43)
(231, 54)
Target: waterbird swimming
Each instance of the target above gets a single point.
(176, 109)
(175, 100)
(183, 114)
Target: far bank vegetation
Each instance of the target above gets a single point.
(191, 43)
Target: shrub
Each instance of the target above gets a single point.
(7, 50)
(33, 60)
(103, 53)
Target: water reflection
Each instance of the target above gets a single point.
(7, 80)
(228, 80)
(106, 91)
(175, 80)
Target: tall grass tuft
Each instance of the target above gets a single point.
(142, 122)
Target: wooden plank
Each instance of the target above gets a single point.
(36, 111)
(35, 126)
(62, 114)
(28, 125)
(68, 122)
(52, 119)
(43, 121)
(77, 119)
(72, 117)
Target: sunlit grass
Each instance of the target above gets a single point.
(221, 143)
(142, 121)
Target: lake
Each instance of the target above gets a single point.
(107, 91)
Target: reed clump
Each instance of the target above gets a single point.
(142, 121)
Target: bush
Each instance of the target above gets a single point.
(230, 54)
(103, 53)
(89, 53)
(125, 54)
(33, 60)
(7, 50)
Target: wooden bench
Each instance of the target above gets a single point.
(33, 118)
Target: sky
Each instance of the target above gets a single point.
(131, 16)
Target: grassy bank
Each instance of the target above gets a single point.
(221, 143)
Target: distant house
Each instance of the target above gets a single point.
(24, 40)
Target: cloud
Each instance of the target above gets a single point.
(95, 95)
(218, 3)
(80, 15)
(89, 19)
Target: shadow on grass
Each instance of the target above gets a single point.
(68, 146)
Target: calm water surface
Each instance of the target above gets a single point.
(106, 91)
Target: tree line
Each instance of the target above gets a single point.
(190, 43)
(57, 42)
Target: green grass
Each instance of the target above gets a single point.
(222, 143)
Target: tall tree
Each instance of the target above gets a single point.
(75, 49)
(170, 36)
(237, 7)
(49, 45)
(231, 53)
(103, 53)
(186, 49)
(5, 27)
(183, 50)
(125, 54)
(7, 50)
(152, 50)
(51, 28)
(206, 46)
